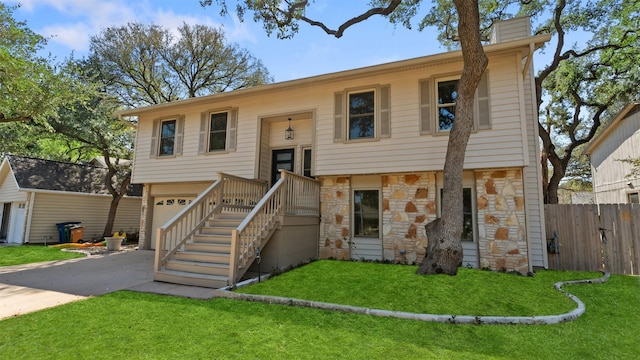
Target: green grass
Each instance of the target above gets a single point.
(397, 287)
(128, 325)
(26, 254)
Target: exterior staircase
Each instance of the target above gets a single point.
(214, 240)
(204, 260)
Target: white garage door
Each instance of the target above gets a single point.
(165, 208)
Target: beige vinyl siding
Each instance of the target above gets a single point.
(9, 191)
(532, 177)
(609, 174)
(511, 29)
(407, 150)
(191, 166)
(50, 209)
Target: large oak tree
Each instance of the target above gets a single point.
(145, 64)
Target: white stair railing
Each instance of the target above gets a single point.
(228, 194)
(293, 194)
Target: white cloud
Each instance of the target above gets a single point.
(74, 36)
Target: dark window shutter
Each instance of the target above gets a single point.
(202, 142)
(426, 124)
(232, 131)
(177, 148)
(154, 138)
(385, 111)
(484, 110)
(338, 117)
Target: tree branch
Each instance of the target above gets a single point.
(364, 16)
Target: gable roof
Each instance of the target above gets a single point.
(526, 45)
(39, 174)
(629, 110)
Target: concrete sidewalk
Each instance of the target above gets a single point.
(32, 287)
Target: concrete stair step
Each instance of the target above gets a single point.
(205, 257)
(212, 239)
(198, 267)
(210, 247)
(217, 230)
(187, 278)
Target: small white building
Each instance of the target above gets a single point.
(619, 140)
(37, 194)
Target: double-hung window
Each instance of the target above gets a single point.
(218, 131)
(438, 101)
(166, 138)
(447, 99)
(362, 109)
(362, 114)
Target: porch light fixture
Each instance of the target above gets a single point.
(288, 134)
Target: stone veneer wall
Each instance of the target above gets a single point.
(501, 220)
(409, 203)
(335, 193)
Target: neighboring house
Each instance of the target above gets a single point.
(619, 140)
(37, 194)
(375, 140)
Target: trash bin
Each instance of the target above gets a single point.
(64, 230)
(77, 232)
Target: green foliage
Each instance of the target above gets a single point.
(27, 254)
(135, 325)
(145, 64)
(32, 86)
(31, 140)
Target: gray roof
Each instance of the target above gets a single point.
(40, 174)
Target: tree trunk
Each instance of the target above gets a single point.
(111, 217)
(444, 249)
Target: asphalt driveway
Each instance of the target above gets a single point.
(32, 287)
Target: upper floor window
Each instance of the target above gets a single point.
(362, 115)
(438, 101)
(167, 137)
(633, 198)
(447, 99)
(218, 131)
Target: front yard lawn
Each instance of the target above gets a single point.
(26, 254)
(137, 325)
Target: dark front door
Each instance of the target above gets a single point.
(281, 159)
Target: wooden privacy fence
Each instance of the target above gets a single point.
(592, 237)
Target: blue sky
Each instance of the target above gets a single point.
(70, 23)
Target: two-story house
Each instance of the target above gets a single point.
(374, 139)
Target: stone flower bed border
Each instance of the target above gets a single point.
(442, 318)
